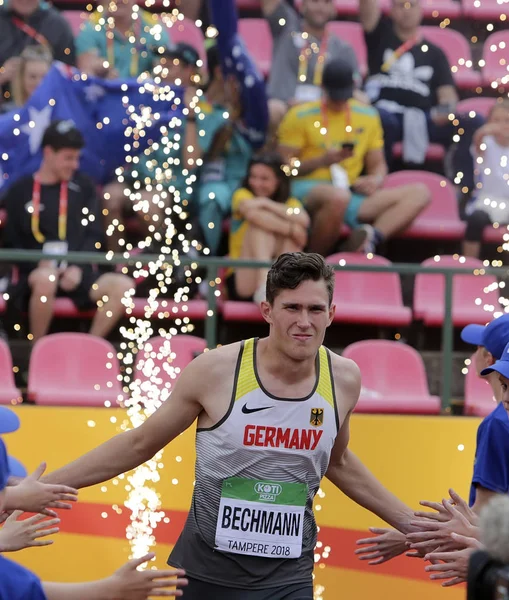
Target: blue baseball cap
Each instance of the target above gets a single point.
(4, 466)
(9, 421)
(493, 336)
(501, 366)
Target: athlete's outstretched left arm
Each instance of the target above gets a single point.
(348, 473)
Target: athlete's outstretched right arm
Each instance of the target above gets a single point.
(128, 450)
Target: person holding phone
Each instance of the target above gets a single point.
(335, 148)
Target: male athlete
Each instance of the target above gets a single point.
(273, 419)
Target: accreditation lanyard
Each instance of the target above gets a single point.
(304, 61)
(30, 31)
(110, 49)
(324, 130)
(408, 45)
(62, 211)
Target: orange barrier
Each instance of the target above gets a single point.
(416, 457)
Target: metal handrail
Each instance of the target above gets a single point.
(214, 264)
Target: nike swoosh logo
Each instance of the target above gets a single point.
(248, 411)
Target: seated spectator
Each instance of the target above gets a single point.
(226, 153)
(168, 164)
(330, 143)
(412, 86)
(490, 202)
(56, 210)
(301, 47)
(266, 222)
(33, 67)
(115, 45)
(27, 23)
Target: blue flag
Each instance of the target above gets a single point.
(116, 118)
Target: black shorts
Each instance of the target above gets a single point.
(232, 292)
(201, 590)
(19, 293)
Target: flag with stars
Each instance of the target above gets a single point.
(116, 118)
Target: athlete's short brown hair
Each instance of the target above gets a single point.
(292, 268)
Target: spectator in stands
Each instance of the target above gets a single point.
(301, 48)
(226, 153)
(329, 144)
(266, 222)
(411, 84)
(57, 210)
(120, 41)
(169, 163)
(27, 23)
(34, 65)
(490, 203)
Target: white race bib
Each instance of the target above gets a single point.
(261, 518)
(307, 93)
(339, 177)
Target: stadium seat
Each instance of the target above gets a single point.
(187, 31)
(496, 58)
(195, 310)
(368, 298)
(160, 362)
(74, 369)
(457, 51)
(393, 378)
(434, 9)
(9, 393)
(76, 19)
(483, 10)
(258, 39)
(479, 400)
(440, 220)
(470, 294)
(480, 105)
(353, 34)
(238, 311)
(435, 152)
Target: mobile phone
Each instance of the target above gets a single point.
(348, 145)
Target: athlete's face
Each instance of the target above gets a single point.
(298, 319)
(504, 382)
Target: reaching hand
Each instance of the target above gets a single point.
(442, 530)
(387, 544)
(464, 509)
(31, 495)
(70, 278)
(454, 567)
(18, 534)
(440, 515)
(130, 584)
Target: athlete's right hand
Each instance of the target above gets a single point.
(130, 584)
(385, 545)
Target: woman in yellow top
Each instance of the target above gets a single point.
(266, 222)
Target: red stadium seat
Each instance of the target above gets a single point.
(483, 10)
(393, 378)
(76, 19)
(496, 59)
(479, 400)
(471, 293)
(258, 39)
(457, 51)
(160, 362)
(187, 31)
(368, 298)
(9, 393)
(441, 218)
(238, 311)
(195, 310)
(479, 105)
(74, 369)
(435, 9)
(435, 152)
(353, 34)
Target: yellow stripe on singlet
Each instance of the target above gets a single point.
(246, 380)
(325, 384)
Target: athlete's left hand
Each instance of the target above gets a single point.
(70, 278)
(368, 184)
(454, 567)
(442, 530)
(387, 544)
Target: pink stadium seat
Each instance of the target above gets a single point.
(258, 39)
(471, 293)
(457, 51)
(434, 9)
(368, 298)
(435, 152)
(187, 31)
(76, 19)
(393, 378)
(160, 361)
(168, 309)
(353, 34)
(479, 105)
(483, 10)
(496, 58)
(479, 399)
(74, 369)
(9, 393)
(441, 218)
(238, 311)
